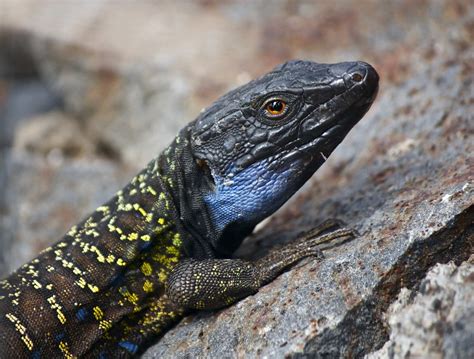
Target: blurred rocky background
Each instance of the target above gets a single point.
(90, 91)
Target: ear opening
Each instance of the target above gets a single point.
(206, 173)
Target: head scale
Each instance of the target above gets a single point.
(258, 144)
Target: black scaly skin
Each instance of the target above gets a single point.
(119, 279)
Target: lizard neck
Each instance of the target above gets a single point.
(188, 183)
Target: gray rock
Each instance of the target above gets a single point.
(437, 319)
(53, 132)
(133, 111)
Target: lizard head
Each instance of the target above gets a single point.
(258, 144)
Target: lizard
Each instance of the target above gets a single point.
(163, 245)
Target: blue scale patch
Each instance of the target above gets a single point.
(251, 194)
(60, 336)
(36, 355)
(129, 346)
(82, 314)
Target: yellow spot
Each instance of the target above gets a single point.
(148, 286)
(146, 268)
(161, 220)
(93, 288)
(121, 262)
(65, 349)
(162, 276)
(93, 233)
(145, 238)
(28, 342)
(72, 231)
(89, 223)
(98, 313)
(55, 306)
(177, 240)
(105, 324)
(173, 251)
(61, 317)
(104, 209)
(31, 271)
(66, 264)
(132, 236)
(46, 250)
(131, 297)
(126, 207)
(94, 249)
(36, 284)
(81, 282)
(151, 190)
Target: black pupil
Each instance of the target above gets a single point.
(276, 106)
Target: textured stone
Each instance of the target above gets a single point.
(436, 320)
(50, 134)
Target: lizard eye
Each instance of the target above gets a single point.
(275, 107)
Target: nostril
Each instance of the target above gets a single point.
(357, 77)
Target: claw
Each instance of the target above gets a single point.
(325, 228)
(355, 232)
(319, 229)
(334, 222)
(318, 254)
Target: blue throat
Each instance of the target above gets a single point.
(252, 194)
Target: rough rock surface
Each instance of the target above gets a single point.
(437, 320)
(87, 102)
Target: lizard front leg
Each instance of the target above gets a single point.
(215, 283)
